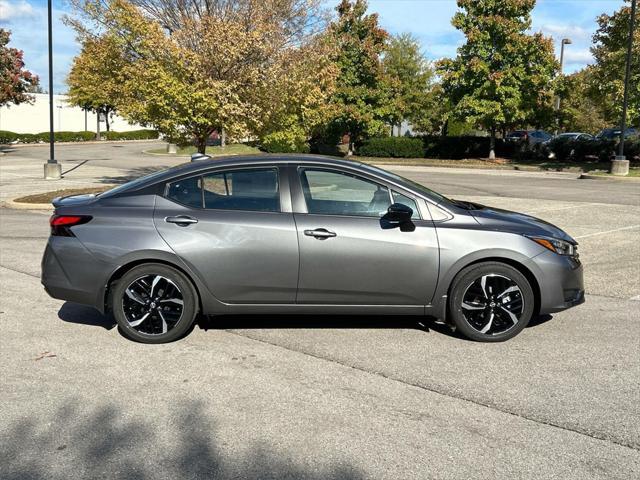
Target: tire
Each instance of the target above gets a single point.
(154, 303)
(491, 302)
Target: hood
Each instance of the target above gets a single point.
(73, 200)
(505, 220)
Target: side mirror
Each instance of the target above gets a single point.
(398, 215)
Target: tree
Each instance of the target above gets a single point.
(213, 69)
(15, 81)
(607, 75)
(360, 101)
(579, 111)
(501, 76)
(96, 77)
(409, 76)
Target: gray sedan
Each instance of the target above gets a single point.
(303, 235)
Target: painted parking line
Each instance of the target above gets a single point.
(568, 207)
(630, 227)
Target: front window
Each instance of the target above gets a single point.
(329, 192)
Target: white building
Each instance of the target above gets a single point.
(34, 117)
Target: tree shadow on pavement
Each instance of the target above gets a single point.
(130, 174)
(105, 442)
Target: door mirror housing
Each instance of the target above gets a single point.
(398, 215)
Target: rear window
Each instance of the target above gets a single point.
(246, 189)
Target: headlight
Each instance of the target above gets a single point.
(561, 247)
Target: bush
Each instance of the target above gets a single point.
(132, 135)
(292, 140)
(7, 137)
(568, 149)
(397, 147)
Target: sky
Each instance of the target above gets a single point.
(428, 20)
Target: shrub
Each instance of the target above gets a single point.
(7, 137)
(397, 147)
(568, 149)
(292, 140)
(132, 135)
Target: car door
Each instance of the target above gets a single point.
(235, 228)
(346, 256)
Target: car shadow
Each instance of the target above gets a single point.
(75, 313)
(248, 322)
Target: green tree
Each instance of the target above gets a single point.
(95, 79)
(360, 101)
(409, 76)
(579, 111)
(607, 75)
(216, 68)
(502, 76)
(15, 81)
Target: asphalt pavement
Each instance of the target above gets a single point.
(325, 397)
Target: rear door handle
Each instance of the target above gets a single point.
(181, 220)
(320, 233)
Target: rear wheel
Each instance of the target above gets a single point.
(491, 302)
(154, 303)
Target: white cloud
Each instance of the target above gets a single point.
(582, 56)
(573, 32)
(12, 10)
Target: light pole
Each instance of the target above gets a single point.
(52, 169)
(565, 41)
(620, 166)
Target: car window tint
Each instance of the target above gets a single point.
(187, 191)
(335, 193)
(409, 202)
(246, 189)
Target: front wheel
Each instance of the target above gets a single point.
(154, 303)
(491, 302)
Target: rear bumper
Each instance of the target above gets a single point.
(561, 282)
(69, 271)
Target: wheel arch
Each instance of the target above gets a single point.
(119, 272)
(518, 264)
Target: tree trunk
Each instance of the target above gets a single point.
(223, 137)
(492, 144)
(97, 125)
(445, 128)
(201, 143)
(106, 119)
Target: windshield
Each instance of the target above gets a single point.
(435, 196)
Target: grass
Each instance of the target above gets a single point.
(233, 149)
(47, 197)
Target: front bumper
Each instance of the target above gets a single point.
(561, 282)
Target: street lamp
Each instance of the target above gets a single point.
(565, 41)
(620, 166)
(52, 169)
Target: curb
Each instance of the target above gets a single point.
(26, 206)
(586, 176)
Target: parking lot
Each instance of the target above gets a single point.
(325, 397)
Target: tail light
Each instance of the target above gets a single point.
(61, 224)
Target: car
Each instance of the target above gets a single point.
(573, 136)
(614, 133)
(303, 235)
(528, 136)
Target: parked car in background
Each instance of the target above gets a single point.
(614, 133)
(303, 235)
(528, 136)
(573, 136)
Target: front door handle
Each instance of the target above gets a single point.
(181, 220)
(320, 233)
